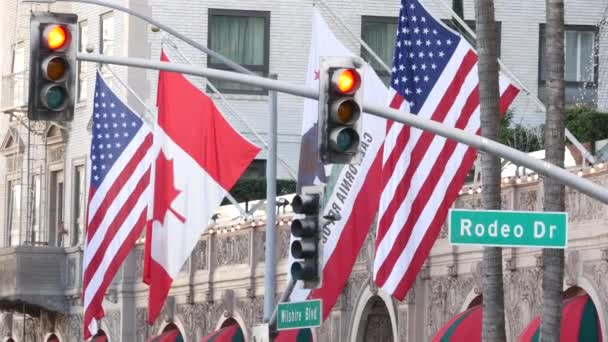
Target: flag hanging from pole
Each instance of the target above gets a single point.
(434, 76)
(200, 157)
(119, 194)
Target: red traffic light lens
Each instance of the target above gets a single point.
(56, 37)
(347, 81)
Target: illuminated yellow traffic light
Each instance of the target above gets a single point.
(53, 66)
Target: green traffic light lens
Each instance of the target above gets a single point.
(296, 271)
(55, 97)
(345, 140)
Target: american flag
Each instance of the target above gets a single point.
(119, 193)
(434, 76)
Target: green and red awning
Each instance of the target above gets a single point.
(466, 326)
(172, 335)
(232, 333)
(580, 322)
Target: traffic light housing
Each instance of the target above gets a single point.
(306, 245)
(53, 48)
(340, 109)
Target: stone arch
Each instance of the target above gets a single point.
(175, 323)
(9, 339)
(49, 335)
(469, 299)
(102, 332)
(588, 287)
(367, 301)
(234, 317)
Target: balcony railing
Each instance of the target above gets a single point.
(14, 92)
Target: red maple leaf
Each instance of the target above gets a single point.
(317, 74)
(164, 189)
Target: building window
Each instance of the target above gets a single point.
(379, 34)
(57, 231)
(243, 37)
(255, 170)
(83, 30)
(78, 205)
(13, 212)
(107, 42)
(18, 72)
(107, 34)
(35, 194)
(581, 60)
(473, 26)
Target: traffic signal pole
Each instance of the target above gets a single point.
(546, 169)
(270, 266)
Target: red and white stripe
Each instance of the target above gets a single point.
(116, 217)
(422, 172)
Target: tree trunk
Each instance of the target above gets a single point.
(554, 197)
(493, 295)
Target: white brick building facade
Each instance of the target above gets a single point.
(289, 30)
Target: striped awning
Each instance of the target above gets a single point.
(231, 333)
(580, 322)
(172, 335)
(466, 326)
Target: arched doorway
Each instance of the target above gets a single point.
(476, 301)
(52, 338)
(229, 322)
(100, 337)
(376, 322)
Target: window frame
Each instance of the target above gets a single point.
(78, 240)
(81, 70)
(102, 17)
(577, 28)
(365, 19)
(264, 69)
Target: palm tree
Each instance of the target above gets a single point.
(554, 199)
(487, 48)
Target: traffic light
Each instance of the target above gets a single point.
(308, 247)
(53, 47)
(340, 104)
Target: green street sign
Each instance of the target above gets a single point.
(297, 315)
(504, 228)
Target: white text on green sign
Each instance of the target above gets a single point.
(296, 315)
(508, 228)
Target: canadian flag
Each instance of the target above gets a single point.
(200, 157)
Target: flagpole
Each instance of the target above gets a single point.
(270, 270)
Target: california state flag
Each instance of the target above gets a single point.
(200, 157)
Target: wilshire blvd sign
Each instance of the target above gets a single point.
(297, 315)
(508, 228)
